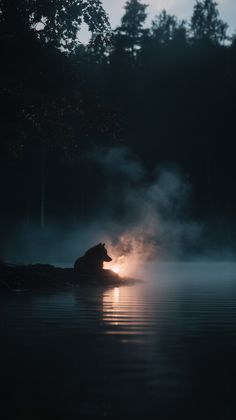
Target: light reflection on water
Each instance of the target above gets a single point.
(164, 349)
(123, 308)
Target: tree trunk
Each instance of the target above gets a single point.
(42, 196)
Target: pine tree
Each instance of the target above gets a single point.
(167, 28)
(131, 30)
(206, 24)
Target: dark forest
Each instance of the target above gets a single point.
(166, 93)
(117, 215)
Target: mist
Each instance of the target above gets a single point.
(141, 215)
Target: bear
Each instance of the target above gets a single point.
(92, 261)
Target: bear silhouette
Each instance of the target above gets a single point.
(92, 261)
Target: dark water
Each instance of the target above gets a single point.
(163, 350)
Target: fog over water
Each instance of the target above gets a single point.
(142, 215)
(162, 349)
(128, 142)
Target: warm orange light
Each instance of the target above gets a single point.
(116, 269)
(122, 265)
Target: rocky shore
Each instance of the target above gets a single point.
(38, 276)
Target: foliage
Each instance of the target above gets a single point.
(54, 22)
(166, 28)
(206, 23)
(163, 91)
(131, 31)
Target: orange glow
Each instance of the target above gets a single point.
(118, 265)
(116, 269)
(127, 254)
(123, 312)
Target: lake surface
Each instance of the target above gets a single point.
(165, 349)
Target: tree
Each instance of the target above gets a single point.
(206, 23)
(55, 22)
(40, 94)
(131, 30)
(166, 28)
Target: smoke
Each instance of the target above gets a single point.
(141, 214)
(153, 222)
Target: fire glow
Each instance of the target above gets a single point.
(118, 265)
(126, 255)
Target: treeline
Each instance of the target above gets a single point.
(168, 92)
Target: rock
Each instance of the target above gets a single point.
(38, 276)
